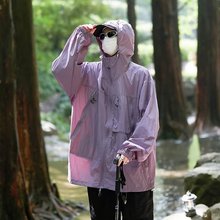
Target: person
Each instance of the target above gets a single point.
(114, 112)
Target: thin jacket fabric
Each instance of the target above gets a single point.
(114, 110)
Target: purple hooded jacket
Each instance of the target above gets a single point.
(114, 110)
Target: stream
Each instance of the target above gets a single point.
(174, 159)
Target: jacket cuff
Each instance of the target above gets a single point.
(85, 41)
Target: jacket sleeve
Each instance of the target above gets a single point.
(143, 139)
(68, 67)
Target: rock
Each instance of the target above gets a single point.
(201, 209)
(181, 216)
(204, 180)
(210, 157)
(48, 128)
(200, 212)
(215, 212)
(56, 149)
(49, 104)
(189, 88)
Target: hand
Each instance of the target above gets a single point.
(123, 159)
(89, 28)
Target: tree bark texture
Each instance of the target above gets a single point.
(13, 198)
(208, 63)
(132, 20)
(30, 135)
(167, 61)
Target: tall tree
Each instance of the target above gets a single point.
(28, 115)
(31, 142)
(13, 198)
(132, 20)
(208, 62)
(167, 60)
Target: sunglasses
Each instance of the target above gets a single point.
(109, 34)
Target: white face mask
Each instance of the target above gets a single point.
(109, 45)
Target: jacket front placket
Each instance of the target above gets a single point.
(111, 95)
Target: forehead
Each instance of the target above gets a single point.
(107, 29)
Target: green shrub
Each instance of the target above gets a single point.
(145, 53)
(188, 49)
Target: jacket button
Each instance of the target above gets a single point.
(116, 102)
(93, 100)
(115, 123)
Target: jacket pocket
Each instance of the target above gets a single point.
(124, 114)
(83, 138)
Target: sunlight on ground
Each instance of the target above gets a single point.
(83, 216)
(58, 171)
(78, 194)
(194, 152)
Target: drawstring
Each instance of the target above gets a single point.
(124, 198)
(100, 192)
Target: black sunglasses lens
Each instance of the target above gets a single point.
(102, 36)
(111, 34)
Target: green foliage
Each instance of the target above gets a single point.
(146, 53)
(94, 53)
(144, 32)
(54, 21)
(48, 84)
(117, 9)
(188, 49)
(59, 121)
(187, 16)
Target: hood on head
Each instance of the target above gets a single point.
(125, 35)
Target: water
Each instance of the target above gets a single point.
(174, 159)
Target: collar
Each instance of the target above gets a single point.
(114, 66)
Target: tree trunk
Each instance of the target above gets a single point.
(44, 201)
(28, 114)
(132, 20)
(208, 62)
(13, 198)
(171, 101)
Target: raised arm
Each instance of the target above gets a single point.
(68, 67)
